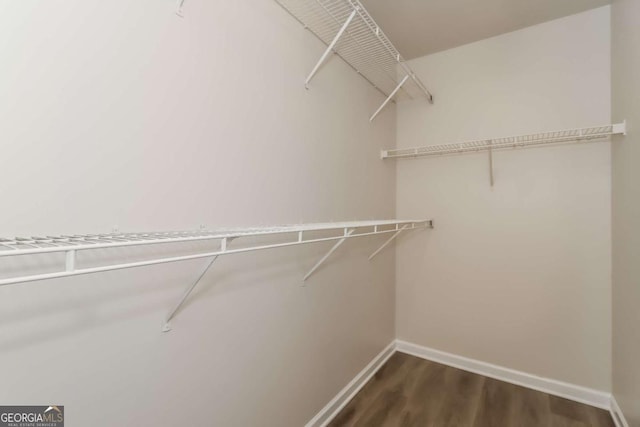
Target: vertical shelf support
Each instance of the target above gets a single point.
(490, 143)
(384, 245)
(330, 48)
(347, 233)
(70, 260)
(389, 98)
(167, 326)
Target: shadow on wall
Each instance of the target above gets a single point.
(34, 313)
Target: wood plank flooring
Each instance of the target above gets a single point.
(411, 392)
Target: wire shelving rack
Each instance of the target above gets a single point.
(283, 236)
(503, 143)
(348, 30)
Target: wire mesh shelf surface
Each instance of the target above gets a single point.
(520, 141)
(364, 45)
(302, 234)
(36, 244)
(70, 245)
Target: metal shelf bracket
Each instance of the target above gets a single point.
(329, 49)
(389, 98)
(389, 240)
(347, 233)
(166, 327)
(179, 10)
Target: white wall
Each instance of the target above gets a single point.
(517, 275)
(625, 15)
(121, 113)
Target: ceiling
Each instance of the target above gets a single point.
(421, 27)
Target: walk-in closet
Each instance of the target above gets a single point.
(314, 213)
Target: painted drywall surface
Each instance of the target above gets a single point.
(123, 114)
(625, 69)
(517, 275)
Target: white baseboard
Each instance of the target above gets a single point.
(336, 404)
(574, 392)
(616, 413)
(597, 398)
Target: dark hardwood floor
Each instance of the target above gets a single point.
(409, 391)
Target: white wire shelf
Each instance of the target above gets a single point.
(71, 245)
(348, 30)
(65, 243)
(510, 142)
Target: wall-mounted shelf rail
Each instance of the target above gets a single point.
(509, 142)
(596, 133)
(348, 30)
(73, 245)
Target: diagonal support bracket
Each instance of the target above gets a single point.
(330, 48)
(384, 245)
(389, 98)
(179, 10)
(332, 250)
(167, 326)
